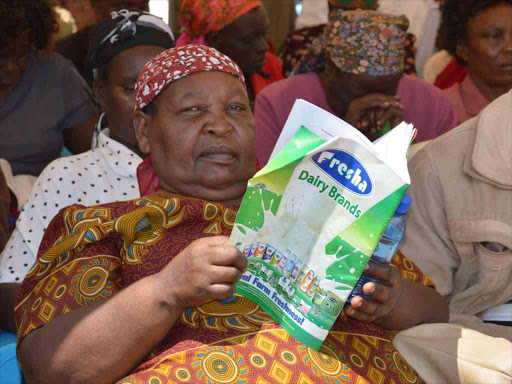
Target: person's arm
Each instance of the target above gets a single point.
(8, 293)
(79, 114)
(103, 342)
(78, 138)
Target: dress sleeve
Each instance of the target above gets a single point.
(78, 264)
(76, 96)
(267, 128)
(428, 242)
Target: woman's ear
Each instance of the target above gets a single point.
(98, 91)
(462, 50)
(141, 122)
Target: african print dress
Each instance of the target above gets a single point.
(88, 254)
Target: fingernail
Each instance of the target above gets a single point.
(372, 289)
(367, 267)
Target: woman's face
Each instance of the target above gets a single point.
(14, 60)
(488, 49)
(115, 92)
(201, 138)
(245, 40)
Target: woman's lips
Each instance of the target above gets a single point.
(219, 155)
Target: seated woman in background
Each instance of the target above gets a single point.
(44, 103)
(106, 173)
(355, 71)
(143, 289)
(238, 29)
(478, 33)
(297, 43)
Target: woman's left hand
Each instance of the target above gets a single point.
(385, 297)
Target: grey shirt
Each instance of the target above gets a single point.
(50, 98)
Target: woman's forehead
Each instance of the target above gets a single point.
(203, 85)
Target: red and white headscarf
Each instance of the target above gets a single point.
(177, 63)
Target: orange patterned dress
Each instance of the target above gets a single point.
(87, 254)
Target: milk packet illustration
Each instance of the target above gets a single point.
(318, 208)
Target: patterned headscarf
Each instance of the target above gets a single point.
(359, 42)
(124, 31)
(176, 63)
(354, 4)
(198, 17)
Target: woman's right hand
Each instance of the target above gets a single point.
(370, 112)
(206, 270)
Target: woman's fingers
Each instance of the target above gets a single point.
(221, 274)
(222, 291)
(378, 292)
(380, 272)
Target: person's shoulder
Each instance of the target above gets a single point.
(417, 85)
(292, 87)
(444, 150)
(87, 161)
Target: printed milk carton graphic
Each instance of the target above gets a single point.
(319, 208)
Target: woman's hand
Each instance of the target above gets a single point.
(370, 112)
(206, 270)
(396, 303)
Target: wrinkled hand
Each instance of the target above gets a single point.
(370, 112)
(204, 271)
(382, 308)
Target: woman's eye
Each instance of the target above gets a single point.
(192, 110)
(236, 107)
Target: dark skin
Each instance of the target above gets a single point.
(213, 161)
(217, 144)
(244, 41)
(366, 102)
(114, 92)
(488, 50)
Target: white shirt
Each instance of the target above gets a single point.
(105, 174)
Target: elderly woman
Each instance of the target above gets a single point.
(238, 29)
(297, 43)
(355, 71)
(44, 103)
(478, 33)
(143, 289)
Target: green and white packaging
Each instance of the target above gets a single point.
(311, 219)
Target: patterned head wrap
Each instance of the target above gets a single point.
(198, 17)
(360, 42)
(176, 63)
(124, 31)
(354, 4)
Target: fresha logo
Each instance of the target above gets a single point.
(346, 170)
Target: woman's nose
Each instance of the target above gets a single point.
(219, 125)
